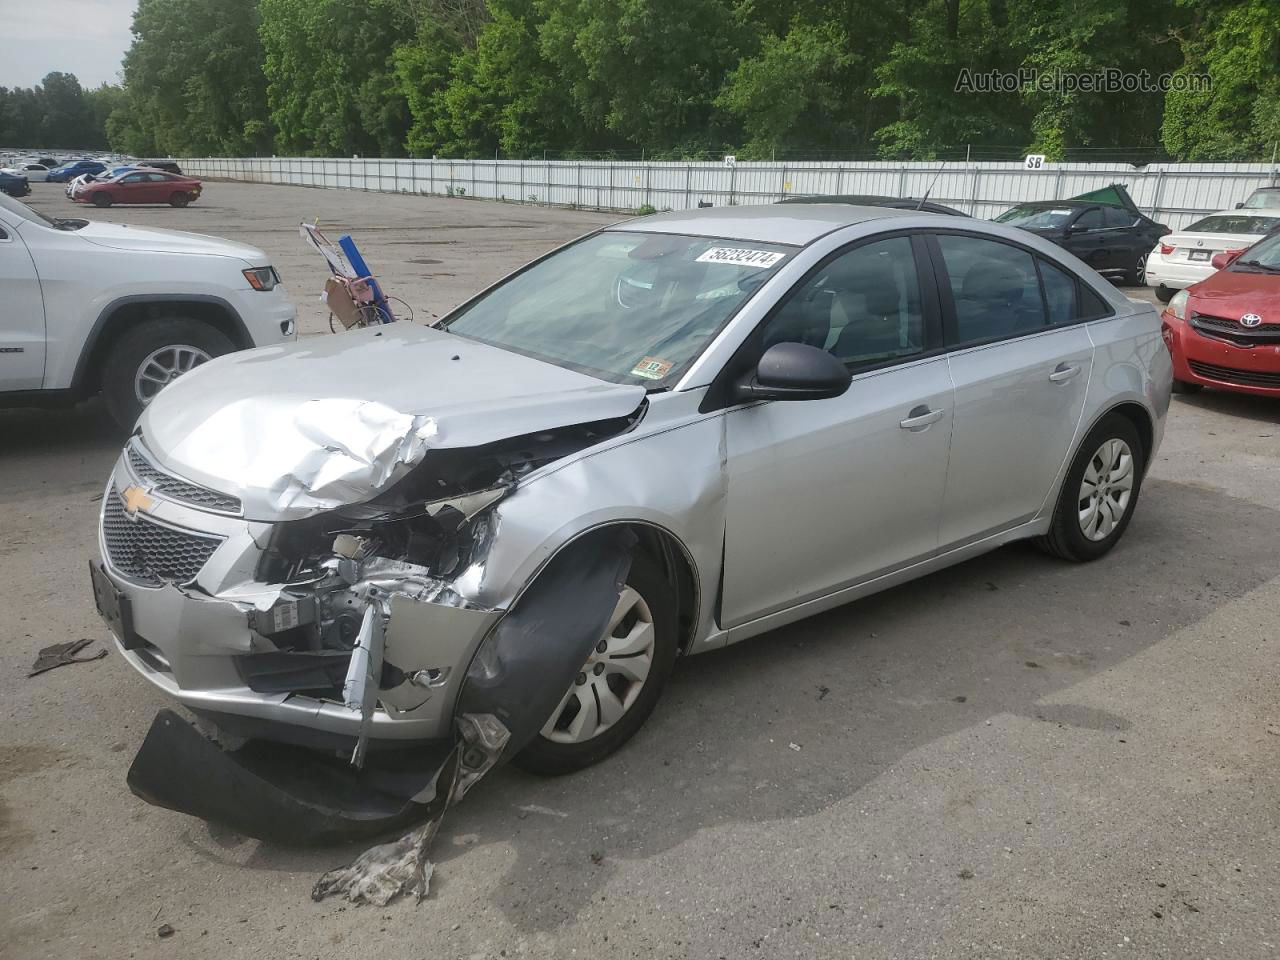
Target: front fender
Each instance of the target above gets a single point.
(673, 480)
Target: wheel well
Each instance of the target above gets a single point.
(126, 315)
(678, 568)
(1141, 421)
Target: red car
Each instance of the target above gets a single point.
(149, 186)
(1225, 330)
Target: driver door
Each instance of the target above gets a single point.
(824, 494)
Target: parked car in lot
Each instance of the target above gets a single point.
(123, 310)
(15, 185)
(868, 200)
(672, 434)
(140, 186)
(1186, 256)
(1224, 331)
(168, 166)
(1111, 235)
(34, 172)
(1264, 198)
(73, 169)
(80, 182)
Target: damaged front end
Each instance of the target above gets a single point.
(351, 630)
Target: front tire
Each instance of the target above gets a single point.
(151, 355)
(1099, 492)
(102, 200)
(619, 685)
(1182, 386)
(1164, 294)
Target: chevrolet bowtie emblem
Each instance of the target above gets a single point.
(136, 498)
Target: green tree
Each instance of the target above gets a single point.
(193, 81)
(648, 71)
(1236, 43)
(330, 68)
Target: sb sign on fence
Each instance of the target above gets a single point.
(1034, 161)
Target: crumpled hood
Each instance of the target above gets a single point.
(121, 236)
(299, 428)
(1231, 295)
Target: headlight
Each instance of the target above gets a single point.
(1178, 305)
(262, 278)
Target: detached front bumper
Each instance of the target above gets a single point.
(205, 639)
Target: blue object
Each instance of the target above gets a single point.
(69, 171)
(348, 247)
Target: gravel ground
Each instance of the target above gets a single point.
(1014, 757)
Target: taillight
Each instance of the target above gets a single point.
(1165, 249)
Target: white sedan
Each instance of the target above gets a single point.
(1186, 256)
(35, 172)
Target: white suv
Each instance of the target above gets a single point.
(91, 307)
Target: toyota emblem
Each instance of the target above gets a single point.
(1250, 320)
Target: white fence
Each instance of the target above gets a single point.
(1172, 193)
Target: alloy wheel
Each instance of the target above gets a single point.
(611, 679)
(161, 367)
(1106, 489)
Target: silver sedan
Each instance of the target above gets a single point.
(667, 436)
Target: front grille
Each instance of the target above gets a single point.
(176, 489)
(1243, 378)
(149, 552)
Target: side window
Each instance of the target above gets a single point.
(1118, 217)
(135, 178)
(1059, 293)
(1090, 220)
(1092, 305)
(994, 286)
(863, 307)
(3, 234)
(157, 177)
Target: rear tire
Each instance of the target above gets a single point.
(178, 199)
(139, 347)
(551, 758)
(1164, 294)
(1182, 386)
(102, 200)
(1113, 457)
(1137, 275)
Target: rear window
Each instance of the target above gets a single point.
(1232, 223)
(1263, 198)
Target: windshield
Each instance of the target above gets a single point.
(1264, 254)
(1262, 198)
(624, 307)
(1036, 217)
(1232, 223)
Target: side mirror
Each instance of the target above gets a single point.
(1240, 206)
(794, 371)
(1223, 260)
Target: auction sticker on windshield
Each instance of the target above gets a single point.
(738, 257)
(652, 368)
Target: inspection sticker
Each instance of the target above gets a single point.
(652, 368)
(736, 256)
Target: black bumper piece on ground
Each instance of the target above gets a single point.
(280, 793)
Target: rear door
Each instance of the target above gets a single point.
(824, 494)
(22, 333)
(1020, 359)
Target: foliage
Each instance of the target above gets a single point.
(57, 113)
(675, 79)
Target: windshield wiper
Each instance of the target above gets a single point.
(1255, 263)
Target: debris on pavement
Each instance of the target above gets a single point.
(401, 868)
(61, 654)
(165, 931)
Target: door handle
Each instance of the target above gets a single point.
(920, 417)
(1064, 372)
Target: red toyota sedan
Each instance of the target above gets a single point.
(1225, 330)
(141, 186)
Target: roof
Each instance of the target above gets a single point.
(869, 200)
(795, 224)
